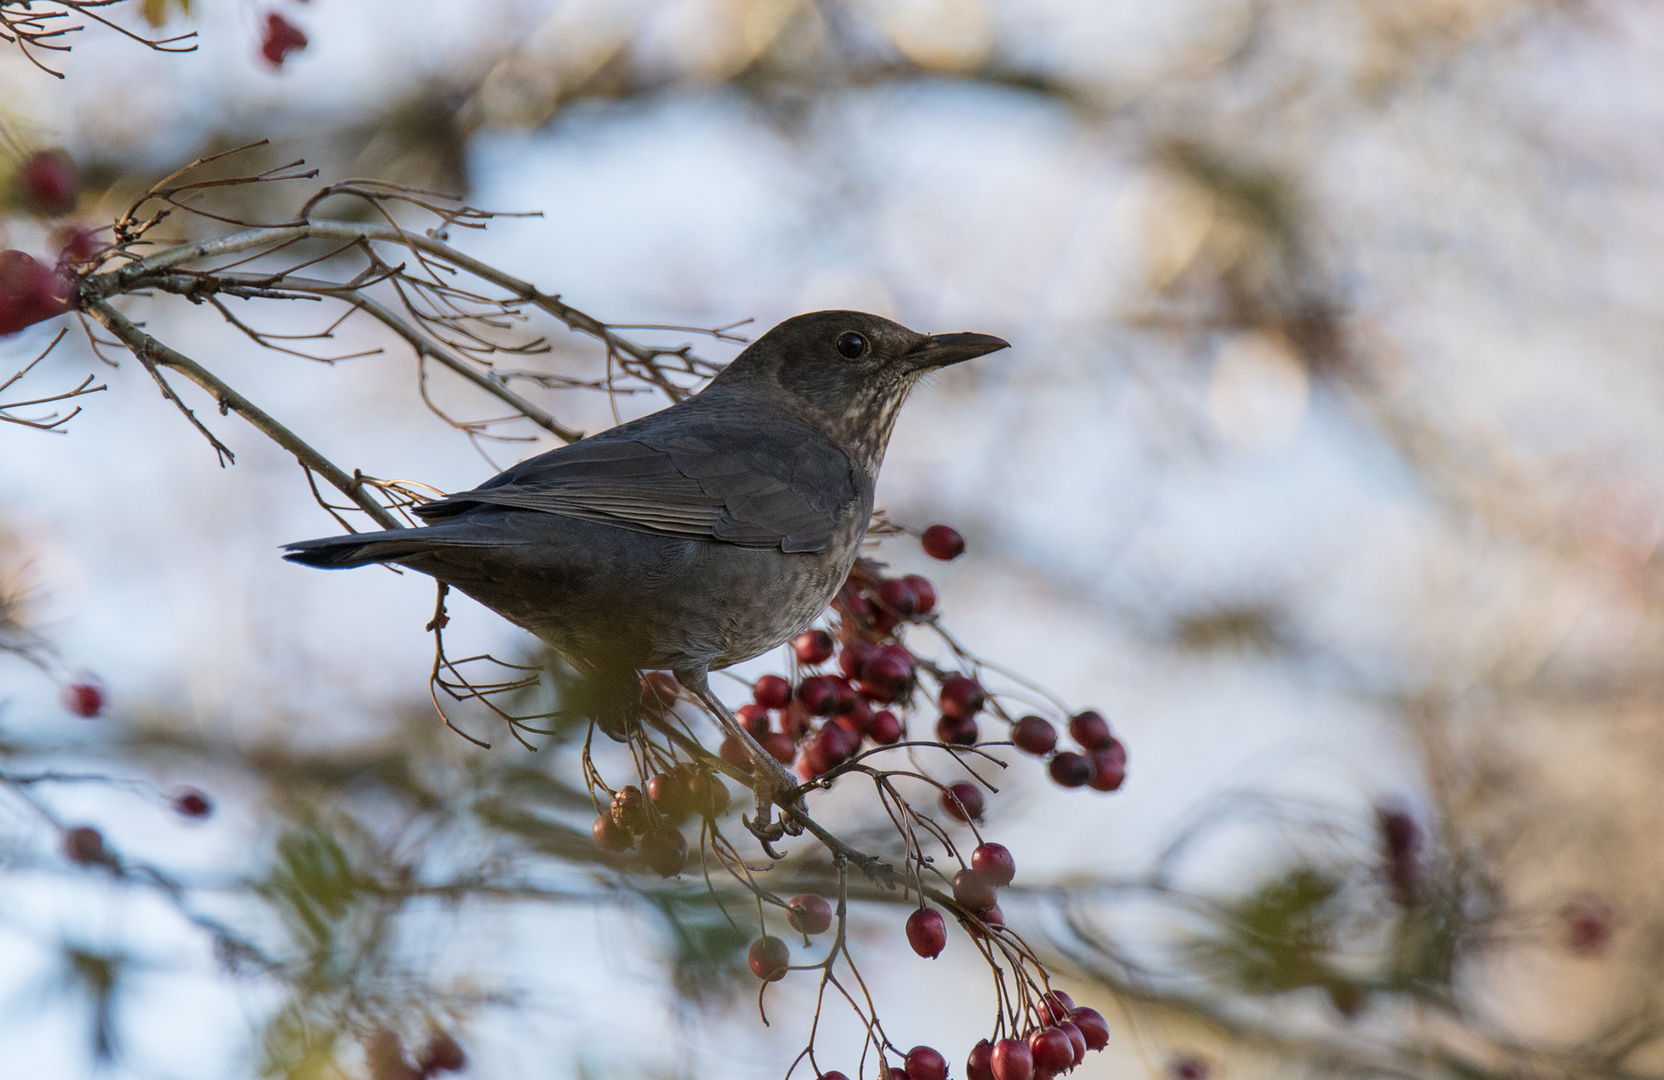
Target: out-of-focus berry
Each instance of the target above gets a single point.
(943, 542)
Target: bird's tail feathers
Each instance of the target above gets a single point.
(363, 549)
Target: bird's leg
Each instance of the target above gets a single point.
(770, 782)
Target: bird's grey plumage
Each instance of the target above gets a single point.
(698, 536)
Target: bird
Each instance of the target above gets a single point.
(695, 537)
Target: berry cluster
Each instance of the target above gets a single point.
(1059, 1043)
(48, 184)
(1101, 763)
(653, 819)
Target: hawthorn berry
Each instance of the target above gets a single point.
(959, 732)
(1188, 1067)
(50, 182)
(1012, 1060)
(884, 728)
(993, 916)
(1587, 923)
(897, 1074)
(629, 809)
(855, 654)
(772, 692)
(191, 803)
(927, 933)
(886, 677)
(963, 801)
(924, 594)
(943, 542)
(1109, 767)
(84, 844)
(1051, 1049)
(1055, 1005)
(442, 1054)
(994, 862)
(809, 913)
(278, 38)
(796, 721)
(754, 718)
(813, 647)
(1089, 729)
(1076, 1039)
(609, 835)
(833, 1075)
(962, 697)
(84, 697)
(780, 747)
(924, 1063)
(660, 686)
(818, 695)
(734, 753)
(895, 596)
(1070, 769)
(979, 1066)
(769, 958)
(29, 291)
(665, 852)
(1093, 1027)
(974, 891)
(1034, 735)
(76, 246)
(857, 720)
(710, 795)
(671, 793)
(837, 743)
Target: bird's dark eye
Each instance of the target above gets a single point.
(851, 345)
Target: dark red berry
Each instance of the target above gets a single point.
(1012, 1060)
(609, 835)
(924, 594)
(923, 1063)
(837, 742)
(992, 916)
(84, 698)
(665, 852)
(780, 747)
(769, 958)
(857, 720)
(813, 647)
(629, 809)
(50, 182)
(1093, 1028)
(927, 933)
(710, 795)
(75, 246)
(1034, 735)
(29, 292)
(833, 1075)
(772, 692)
(895, 596)
(384, 1058)
(963, 801)
(672, 793)
(979, 1066)
(957, 732)
(962, 697)
(1587, 923)
(84, 845)
(974, 891)
(280, 37)
(1109, 767)
(1070, 769)
(897, 1074)
(189, 802)
(884, 728)
(442, 1054)
(819, 695)
(809, 913)
(660, 687)
(1056, 1006)
(1090, 730)
(943, 542)
(886, 678)
(1188, 1067)
(754, 718)
(796, 721)
(1052, 1050)
(994, 862)
(858, 606)
(854, 656)
(1076, 1039)
(735, 753)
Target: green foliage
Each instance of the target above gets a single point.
(1280, 936)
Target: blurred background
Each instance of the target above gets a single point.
(1327, 462)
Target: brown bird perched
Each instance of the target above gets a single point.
(698, 536)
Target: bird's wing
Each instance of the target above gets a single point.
(740, 491)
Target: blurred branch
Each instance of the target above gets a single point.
(42, 25)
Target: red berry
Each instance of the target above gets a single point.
(796, 721)
(189, 802)
(84, 845)
(837, 742)
(1034, 735)
(780, 747)
(1093, 1028)
(927, 933)
(1090, 730)
(29, 292)
(855, 654)
(754, 718)
(895, 596)
(50, 182)
(1109, 767)
(710, 795)
(943, 542)
(769, 958)
(384, 1058)
(629, 809)
(442, 1054)
(813, 647)
(924, 594)
(963, 801)
(897, 1074)
(665, 852)
(734, 752)
(1070, 769)
(84, 697)
(671, 792)
(76, 246)
(885, 677)
(857, 720)
(772, 692)
(1056, 1006)
(833, 1075)
(1052, 1050)
(1012, 1060)
(857, 605)
(280, 37)
(993, 916)
(609, 835)
(974, 891)
(809, 913)
(819, 695)
(1188, 1067)
(994, 862)
(979, 1066)
(1587, 923)
(923, 1063)
(1076, 1039)
(884, 728)
(962, 697)
(660, 687)
(956, 731)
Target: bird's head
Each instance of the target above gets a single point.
(851, 371)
